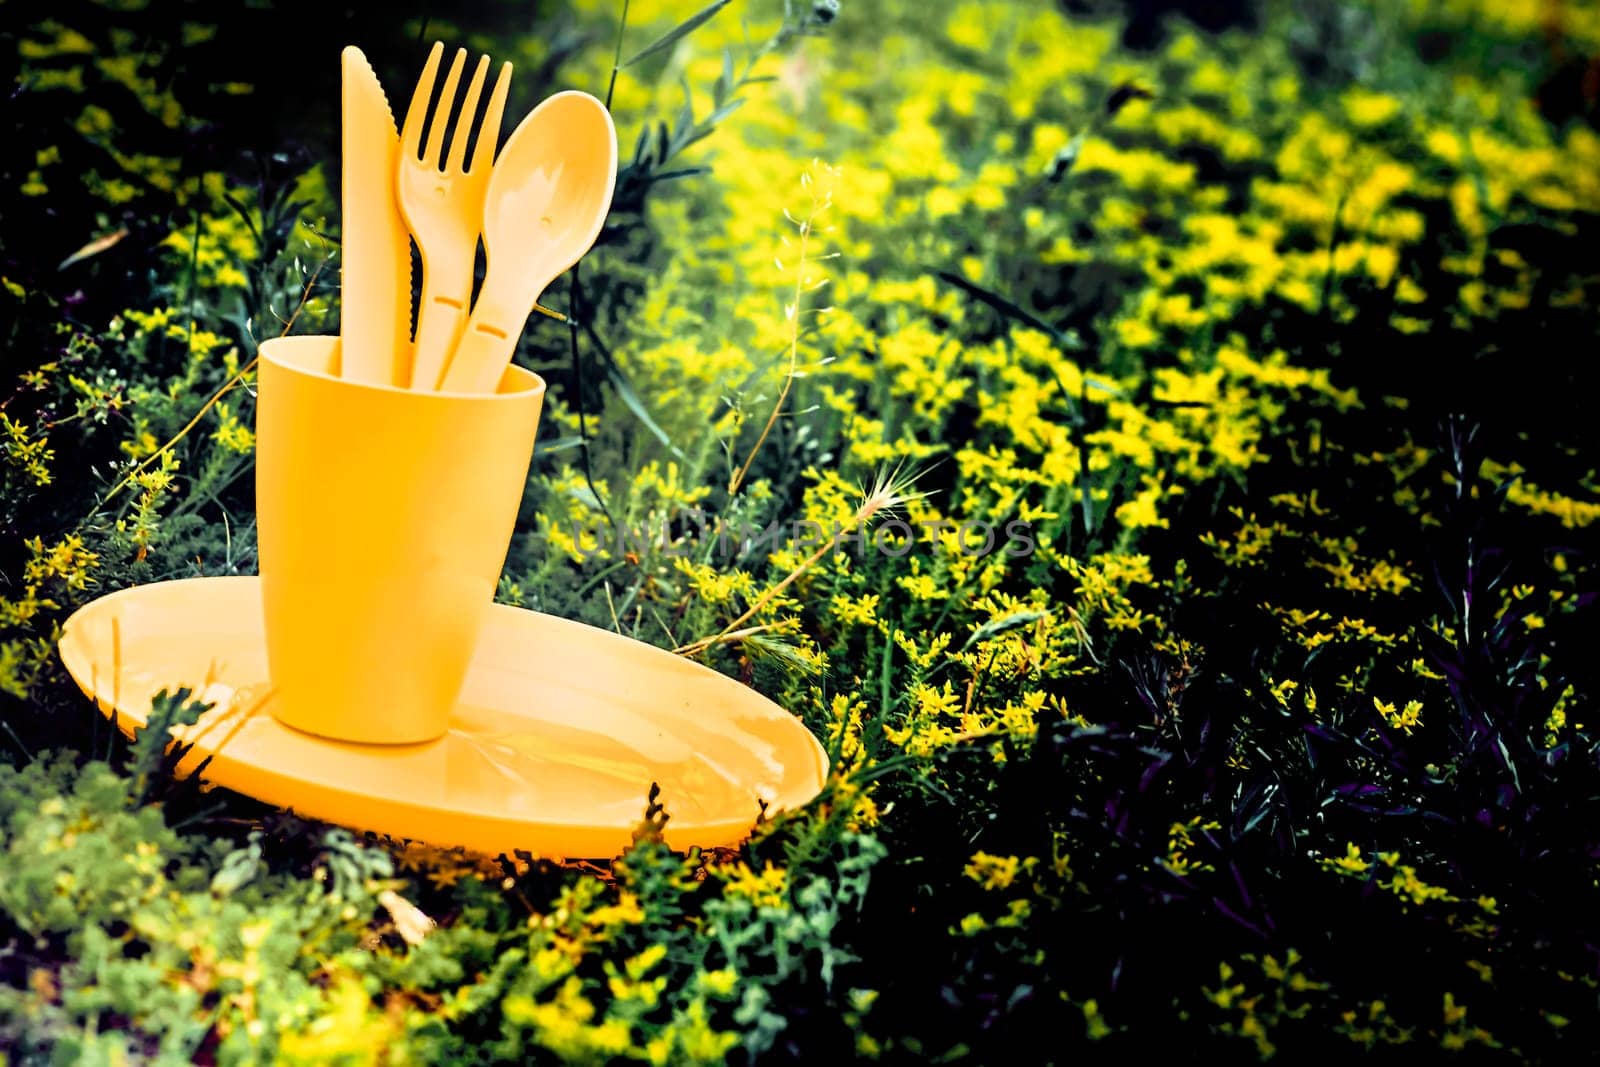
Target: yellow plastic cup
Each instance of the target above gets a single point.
(383, 520)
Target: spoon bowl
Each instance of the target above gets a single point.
(547, 200)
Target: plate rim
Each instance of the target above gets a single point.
(77, 656)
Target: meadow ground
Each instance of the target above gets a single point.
(1171, 451)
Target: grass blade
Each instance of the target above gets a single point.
(996, 627)
(677, 33)
(558, 444)
(1007, 308)
(625, 393)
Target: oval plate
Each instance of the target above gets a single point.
(559, 733)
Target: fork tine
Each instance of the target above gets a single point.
(411, 136)
(489, 132)
(469, 113)
(441, 114)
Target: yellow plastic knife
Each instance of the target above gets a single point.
(375, 252)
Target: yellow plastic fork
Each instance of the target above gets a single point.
(442, 203)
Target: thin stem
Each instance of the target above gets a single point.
(577, 394)
(766, 598)
(226, 388)
(200, 815)
(728, 638)
(194, 289)
(794, 356)
(889, 491)
(616, 63)
(17, 741)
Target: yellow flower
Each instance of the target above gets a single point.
(942, 201)
(921, 587)
(1141, 510)
(855, 611)
(1405, 720)
(997, 872)
(720, 983)
(1350, 863)
(769, 888)
(1365, 108)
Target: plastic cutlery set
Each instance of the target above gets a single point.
(366, 676)
(538, 207)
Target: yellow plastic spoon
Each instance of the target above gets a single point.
(548, 198)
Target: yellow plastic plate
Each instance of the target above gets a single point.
(559, 733)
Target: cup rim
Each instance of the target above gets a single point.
(535, 386)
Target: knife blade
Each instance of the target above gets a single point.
(375, 249)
